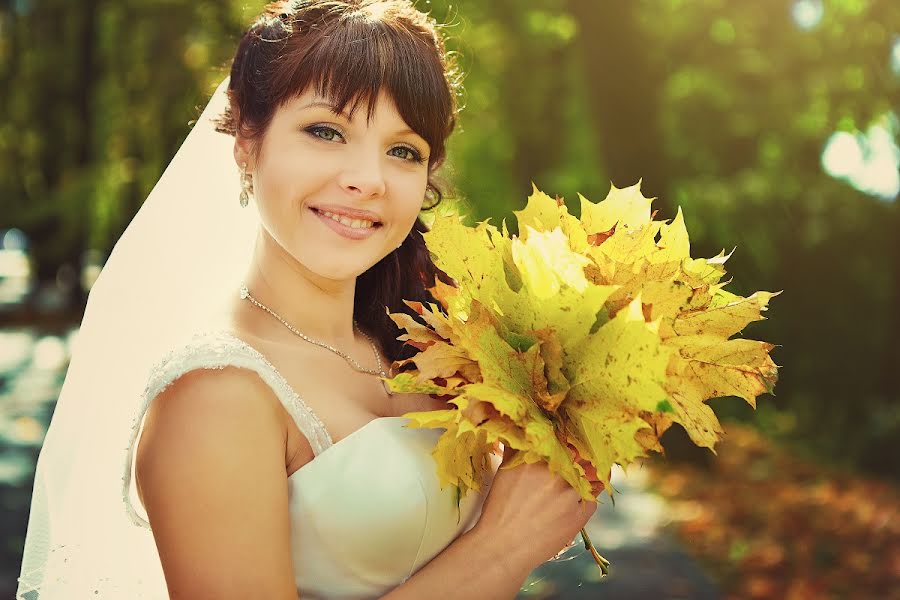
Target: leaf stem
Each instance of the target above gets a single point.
(601, 562)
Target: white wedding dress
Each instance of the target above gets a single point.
(366, 513)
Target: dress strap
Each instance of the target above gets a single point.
(217, 350)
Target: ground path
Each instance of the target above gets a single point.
(647, 563)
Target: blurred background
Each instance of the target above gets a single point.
(773, 124)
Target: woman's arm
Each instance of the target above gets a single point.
(211, 472)
(477, 565)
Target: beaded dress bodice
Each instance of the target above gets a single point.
(365, 514)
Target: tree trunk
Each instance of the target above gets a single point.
(531, 87)
(85, 82)
(890, 383)
(622, 89)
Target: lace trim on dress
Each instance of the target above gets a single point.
(217, 350)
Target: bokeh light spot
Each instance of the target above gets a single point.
(807, 13)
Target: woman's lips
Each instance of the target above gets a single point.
(346, 231)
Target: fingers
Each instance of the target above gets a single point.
(590, 508)
(590, 471)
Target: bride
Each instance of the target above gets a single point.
(224, 430)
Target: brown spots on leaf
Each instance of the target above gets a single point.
(595, 239)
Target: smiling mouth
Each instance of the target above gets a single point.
(375, 224)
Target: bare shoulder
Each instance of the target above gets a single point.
(218, 398)
(211, 471)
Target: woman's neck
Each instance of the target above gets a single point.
(319, 307)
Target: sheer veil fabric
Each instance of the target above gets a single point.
(178, 262)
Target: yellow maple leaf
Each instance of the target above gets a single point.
(546, 263)
(626, 206)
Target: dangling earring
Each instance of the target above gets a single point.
(430, 195)
(246, 182)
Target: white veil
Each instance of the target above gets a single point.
(180, 258)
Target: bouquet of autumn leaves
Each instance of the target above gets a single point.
(591, 335)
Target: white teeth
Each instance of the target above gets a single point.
(354, 223)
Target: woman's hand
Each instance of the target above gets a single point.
(532, 511)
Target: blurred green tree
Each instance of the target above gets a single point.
(722, 108)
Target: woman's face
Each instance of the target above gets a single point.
(312, 160)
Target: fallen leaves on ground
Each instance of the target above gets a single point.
(771, 525)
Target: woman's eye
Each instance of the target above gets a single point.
(406, 153)
(324, 133)
(330, 134)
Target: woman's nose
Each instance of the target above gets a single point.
(363, 176)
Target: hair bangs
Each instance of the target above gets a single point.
(357, 59)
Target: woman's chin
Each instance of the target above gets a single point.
(336, 271)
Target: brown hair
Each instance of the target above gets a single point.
(350, 50)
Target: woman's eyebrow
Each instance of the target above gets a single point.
(327, 105)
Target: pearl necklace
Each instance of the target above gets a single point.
(245, 295)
